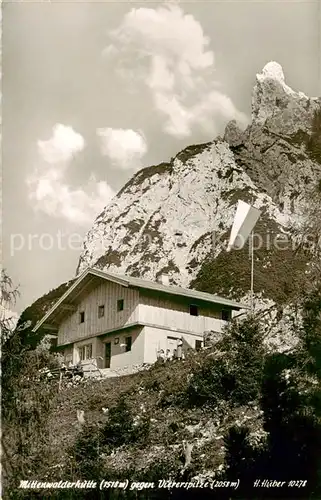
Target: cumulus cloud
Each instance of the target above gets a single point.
(124, 147)
(167, 51)
(62, 146)
(48, 189)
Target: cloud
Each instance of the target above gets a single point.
(48, 190)
(167, 51)
(124, 147)
(62, 146)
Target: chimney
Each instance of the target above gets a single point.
(163, 279)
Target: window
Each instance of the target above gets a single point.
(226, 315)
(198, 345)
(82, 317)
(193, 310)
(120, 305)
(101, 311)
(128, 342)
(85, 352)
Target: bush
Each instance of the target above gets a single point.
(293, 424)
(122, 428)
(241, 459)
(94, 440)
(290, 398)
(27, 401)
(86, 453)
(314, 142)
(234, 372)
(210, 383)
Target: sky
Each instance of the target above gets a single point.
(94, 91)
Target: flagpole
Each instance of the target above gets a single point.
(252, 265)
(252, 272)
(243, 226)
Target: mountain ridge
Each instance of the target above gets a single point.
(165, 217)
(175, 217)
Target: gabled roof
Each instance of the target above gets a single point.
(91, 278)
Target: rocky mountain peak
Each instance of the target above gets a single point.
(272, 70)
(276, 105)
(175, 217)
(233, 134)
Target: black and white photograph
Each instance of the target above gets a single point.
(161, 249)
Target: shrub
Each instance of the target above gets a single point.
(27, 401)
(86, 453)
(234, 372)
(122, 428)
(290, 398)
(292, 422)
(314, 142)
(210, 383)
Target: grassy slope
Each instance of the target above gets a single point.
(158, 395)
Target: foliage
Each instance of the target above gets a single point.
(118, 444)
(94, 440)
(211, 383)
(26, 403)
(191, 151)
(314, 142)
(242, 459)
(279, 273)
(8, 296)
(311, 332)
(308, 236)
(27, 400)
(293, 427)
(121, 427)
(86, 453)
(290, 399)
(235, 371)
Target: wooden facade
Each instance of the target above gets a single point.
(108, 315)
(107, 294)
(174, 312)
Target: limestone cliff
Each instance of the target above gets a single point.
(173, 216)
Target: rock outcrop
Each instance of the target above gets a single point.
(175, 217)
(171, 217)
